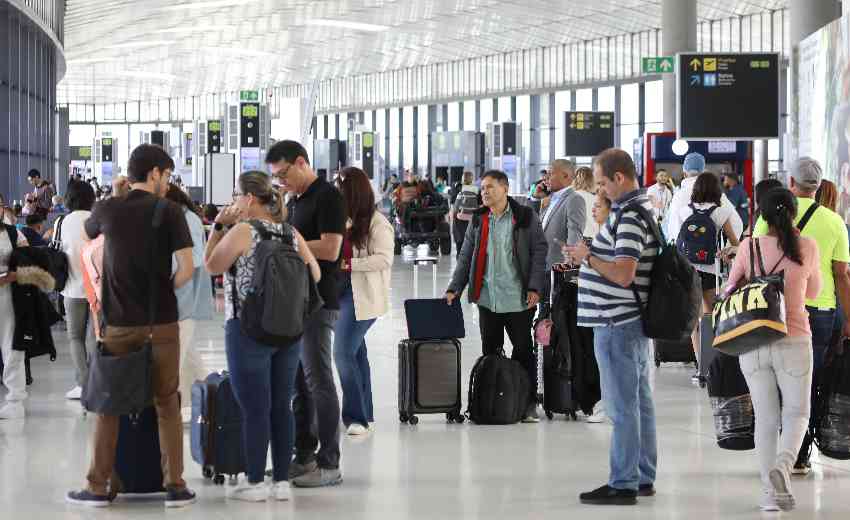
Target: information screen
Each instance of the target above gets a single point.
(587, 134)
(728, 96)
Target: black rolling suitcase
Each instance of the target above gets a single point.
(429, 361)
(558, 377)
(734, 417)
(138, 462)
(216, 435)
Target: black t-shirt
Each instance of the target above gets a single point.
(318, 210)
(127, 253)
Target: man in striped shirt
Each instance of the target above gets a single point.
(617, 264)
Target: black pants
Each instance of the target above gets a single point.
(518, 326)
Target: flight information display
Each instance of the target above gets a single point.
(727, 96)
(587, 134)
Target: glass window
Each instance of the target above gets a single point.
(629, 111)
(486, 113)
(381, 129)
(504, 109)
(394, 144)
(523, 116)
(469, 115)
(332, 126)
(453, 123)
(655, 102)
(628, 134)
(607, 99)
(584, 99)
(367, 120)
(562, 104)
(407, 133)
(320, 126)
(422, 135)
(132, 111)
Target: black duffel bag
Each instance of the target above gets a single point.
(499, 391)
(832, 404)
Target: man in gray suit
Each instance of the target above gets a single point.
(565, 217)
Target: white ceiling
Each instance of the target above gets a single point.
(120, 50)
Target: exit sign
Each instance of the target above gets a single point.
(249, 95)
(658, 65)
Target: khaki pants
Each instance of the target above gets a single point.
(166, 363)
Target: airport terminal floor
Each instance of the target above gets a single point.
(432, 470)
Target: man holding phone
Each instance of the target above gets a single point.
(504, 259)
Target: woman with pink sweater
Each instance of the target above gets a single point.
(783, 367)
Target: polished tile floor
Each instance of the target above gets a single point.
(432, 471)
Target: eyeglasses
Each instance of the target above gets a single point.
(282, 174)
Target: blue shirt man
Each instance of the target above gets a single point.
(737, 195)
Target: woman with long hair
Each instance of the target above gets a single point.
(827, 195)
(262, 376)
(584, 185)
(784, 367)
(367, 258)
(194, 300)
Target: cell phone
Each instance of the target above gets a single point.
(588, 241)
(4, 274)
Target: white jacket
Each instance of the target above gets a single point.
(371, 269)
(673, 221)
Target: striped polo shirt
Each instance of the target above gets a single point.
(604, 303)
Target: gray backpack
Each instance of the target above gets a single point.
(282, 294)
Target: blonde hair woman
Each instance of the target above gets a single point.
(584, 185)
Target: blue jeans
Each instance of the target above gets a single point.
(352, 361)
(622, 353)
(263, 380)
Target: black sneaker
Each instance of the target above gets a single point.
(87, 498)
(802, 468)
(646, 490)
(179, 497)
(608, 496)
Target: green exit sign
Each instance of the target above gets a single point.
(658, 65)
(249, 95)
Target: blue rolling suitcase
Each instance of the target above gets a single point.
(138, 462)
(216, 434)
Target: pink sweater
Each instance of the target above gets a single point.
(801, 281)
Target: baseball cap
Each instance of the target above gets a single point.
(694, 163)
(807, 173)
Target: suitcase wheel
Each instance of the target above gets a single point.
(403, 417)
(234, 479)
(455, 417)
(657, 363)
(573, 416)
(550, 415)
(413, 420)
(218, 480)
(208, 472)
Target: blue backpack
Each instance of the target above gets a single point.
(697, 239)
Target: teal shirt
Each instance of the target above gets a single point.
(501, 291)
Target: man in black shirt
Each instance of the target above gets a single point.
(137, 266)
(318, 213)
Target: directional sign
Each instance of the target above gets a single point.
(658, 65)
(249, 95)
(727, 96)
(586, 134)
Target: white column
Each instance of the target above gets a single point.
(679, 34)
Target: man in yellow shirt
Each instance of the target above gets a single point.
(828, 230)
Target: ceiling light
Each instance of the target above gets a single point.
(342, 24)
(84, 61)
(206, 5)
(142, 75)
(141, 43)
(241, 52)
(193, 29)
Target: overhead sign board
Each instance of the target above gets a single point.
(80, 153)
(732, 96)
(658, 65)
(586, 134)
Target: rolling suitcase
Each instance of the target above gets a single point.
(705, 349)
(429, 379)
(138, 462)
(216, 434)
(558, 376)
(731, 404)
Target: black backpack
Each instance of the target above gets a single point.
(282, 294)
(675, 294)
(832, 403)
(698, 237)
(499, 391)
(59, 263)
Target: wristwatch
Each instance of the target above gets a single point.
(218, 226)
(586, 262)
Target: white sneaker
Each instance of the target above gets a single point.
(282, 491)
(74, 393)
(767, 503)
(599, 416)
(250, 492)
(357, 429)
(781, 482)
(13, 410)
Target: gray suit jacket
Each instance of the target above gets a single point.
(565, 222)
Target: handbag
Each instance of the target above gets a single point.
(122, 384)
(753, 315)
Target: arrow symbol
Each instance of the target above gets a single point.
(695, 81)
(695, 64)
(665, 66)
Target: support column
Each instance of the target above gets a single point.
(432, 127)
(478, 115)
(535, 129)
(678, 34)
(553, 123)
(415, 138)
(460, 116)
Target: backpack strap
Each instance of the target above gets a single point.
(807, 216)
(12, 231)
(653, 226)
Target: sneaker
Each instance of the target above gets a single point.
(179, 497)
(646, 490)
(13, 410)
(781, 482)
(767, 503)
(282, 491)
(608, 496)
(87, 498)
(598, 417)
(531, 415)
(320, 477)
(357, 429)
(74, 394)
(802, 468)
(296, 469)
(248, 492)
